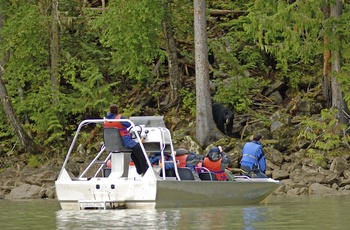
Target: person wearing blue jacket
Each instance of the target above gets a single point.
(156, 157)
(253, 162)
(137, 155)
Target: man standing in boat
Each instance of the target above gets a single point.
(253, 162)
(137, 155)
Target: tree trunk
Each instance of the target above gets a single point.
(205, 131)
(174, 73)
(337, 93)
(26, 116)
(25, 140)
(54, 50)
(327, 67)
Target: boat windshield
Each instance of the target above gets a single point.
(149, 121)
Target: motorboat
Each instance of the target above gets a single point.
(120, 186)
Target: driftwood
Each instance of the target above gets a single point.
(269, 105)
(235, 170)
(214, 12)
(247, 124)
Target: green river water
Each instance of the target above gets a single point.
(280, 212)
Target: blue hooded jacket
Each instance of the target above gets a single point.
(253, 155)
(156, 157)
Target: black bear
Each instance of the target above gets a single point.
(222, 116)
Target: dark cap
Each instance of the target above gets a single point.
(182, 151)
(214, 154)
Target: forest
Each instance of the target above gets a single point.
(62, 61)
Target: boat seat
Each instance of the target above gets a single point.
(168, 173)
(207, 176)
(113, 140)
(185, 173)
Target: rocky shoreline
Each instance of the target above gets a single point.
(300, 175)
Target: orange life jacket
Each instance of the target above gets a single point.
(109, 164)
(182, 159)
(116, 124)
(215, 167)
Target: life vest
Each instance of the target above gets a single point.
(182, 159)
(109, 164)
(251, 154)
(116, 124)
(215, 167)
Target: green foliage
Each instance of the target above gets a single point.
(236, 50)
(83, 91)
(236, 92)
(27, 78)
(291, 31)
(6, 132)
(128, 111)
(87, 87)
(132, 29)
(235, 54)
(25, 35)
(318, 157)
(182, 21)
(103, 55)
(34, 161)
(342, 31)
(188, 100)
(223, 4)
(323, 132)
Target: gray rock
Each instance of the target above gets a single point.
(321, 190)
(26, 191)
(280, 174)
(339, 165)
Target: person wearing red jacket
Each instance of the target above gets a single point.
(137, 155)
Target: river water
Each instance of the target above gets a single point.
(278, 212)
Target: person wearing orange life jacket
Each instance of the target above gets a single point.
(217, 161)
(181, 156)
(187, 158)
(137, 155)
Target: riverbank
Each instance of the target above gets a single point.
(300, 176)
(305, 165)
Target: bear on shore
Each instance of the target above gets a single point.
(223, 117)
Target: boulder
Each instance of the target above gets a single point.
(275, 156)
(332, 178)
(26, 191)
(339, 165)
(321, 190)
(280, 174)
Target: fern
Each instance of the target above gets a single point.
(237, 93)
(318, 157)
(324, 132)
(188, 100)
